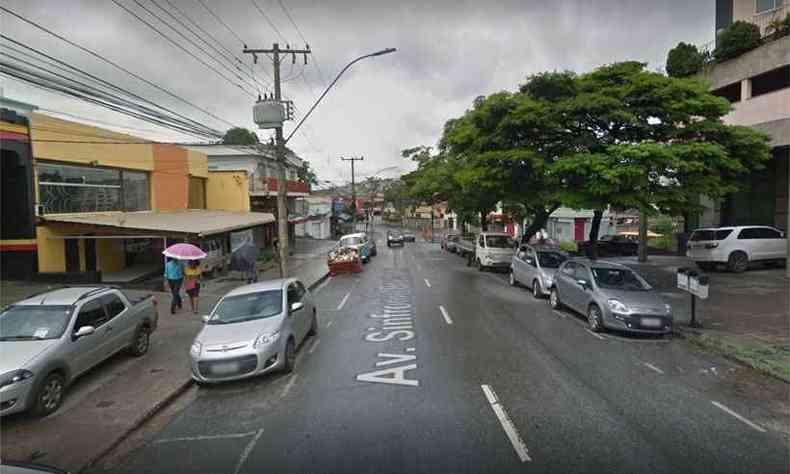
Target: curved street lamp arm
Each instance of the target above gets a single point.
(377, 53)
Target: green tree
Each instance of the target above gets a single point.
(306, 174)
(684, 60)
(240, 136)
(737, 39)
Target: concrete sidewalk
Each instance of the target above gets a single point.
(746, 316)
(113, 399)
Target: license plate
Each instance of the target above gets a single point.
(651, 322)
(225, 368)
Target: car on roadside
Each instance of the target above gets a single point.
(409, 237)
(612, 296)
(14, 467)
(49, 339)
(253, 330)
(736, 247)
(450, 241)
(372, 243)
(534, 266)
(359, 242)
(394, 237)
(493, 250)
(611, 246)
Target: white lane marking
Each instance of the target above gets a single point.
(739, 417)
(329, 323)
(507, 424)
(343, 302)
(315, 344)
(204, 437)
(559, 313)
(322, 285)
(446, 316)
(653, 367)
(427, 283)
(288, 386)
(247, 450)
(596, 335)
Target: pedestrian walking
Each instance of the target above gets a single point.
(174, 276)
(192, 274)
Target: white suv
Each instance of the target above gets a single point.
(736, 246)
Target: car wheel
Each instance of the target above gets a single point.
(141, 343)
(554, 299)
(289, 356)
(50, 395)
(536, 291)
(513, 281)
(595, 318)
(313, 326)
(738, 262)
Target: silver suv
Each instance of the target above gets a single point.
(48, 340)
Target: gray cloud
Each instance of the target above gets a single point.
(448, 53)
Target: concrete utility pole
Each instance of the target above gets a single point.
(353, 191)
(282, 185)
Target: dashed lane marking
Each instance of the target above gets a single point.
(739, 417)
(653, 367)
(446, 316)
(343, 302)
(329, 323)
(289, 385)
(507, 424)
(427, 283)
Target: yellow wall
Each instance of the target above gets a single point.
(112, 154)
(228, 191)
(110, 256)
(51, 252)
(198, 164)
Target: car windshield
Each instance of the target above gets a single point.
(618, 279)
(499, 241)
(551, 259)
(24, 323)
(710, 234)
(348, 241)
(240, 308)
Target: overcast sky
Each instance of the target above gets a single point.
(449, 52)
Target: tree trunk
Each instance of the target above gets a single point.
(538, 222)
(643, 236)
(484, 221)
(595, 228)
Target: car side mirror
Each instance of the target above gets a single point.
(296, 306)
(205, 318)
(84, 331)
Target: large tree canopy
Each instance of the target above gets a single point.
(240, 136)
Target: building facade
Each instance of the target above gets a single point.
(757, 83)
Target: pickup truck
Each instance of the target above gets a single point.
(51, 338)
(492, 250)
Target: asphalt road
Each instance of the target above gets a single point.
(424, 365)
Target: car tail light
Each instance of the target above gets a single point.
(711, 246)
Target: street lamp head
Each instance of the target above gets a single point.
(384, 51)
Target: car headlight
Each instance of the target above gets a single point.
(618, 307)
(266, 338)
(668, 308)
(196, 348)
(10, 378)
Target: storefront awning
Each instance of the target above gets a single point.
(192, 223)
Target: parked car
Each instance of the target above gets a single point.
(612, 296)
(535, 266)
(409, 237)
(358, 242)
(736, 247)
(492, 250)
(611, 246)
(372, 244)
(50, 339)
(14, 467)
(252, 330)
(394, 237)
(449, 241)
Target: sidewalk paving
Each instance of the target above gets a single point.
(746, 316)
(113, 399)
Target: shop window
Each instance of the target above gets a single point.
(767, 5)
(771, 81)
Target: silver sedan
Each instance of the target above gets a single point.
(612, 296)
(253, 330)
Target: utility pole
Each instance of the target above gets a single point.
(282, 185)
(353, 191)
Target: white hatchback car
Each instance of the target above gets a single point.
(736, 246)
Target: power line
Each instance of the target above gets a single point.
(112, 63)
(216, 17)
(100, 122)
(233, 66)
(268, 20)
(299, 32)
(174, 43)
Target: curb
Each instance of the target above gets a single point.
(178, 391)
(723, 348)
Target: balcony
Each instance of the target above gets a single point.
(267, 186)
(765, 18)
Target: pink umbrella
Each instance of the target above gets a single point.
(184, 252)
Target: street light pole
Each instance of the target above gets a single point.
(353, 192)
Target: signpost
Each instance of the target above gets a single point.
(696, 283)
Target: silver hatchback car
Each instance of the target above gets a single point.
(611, 296)
(535, 266)
(254, 329)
